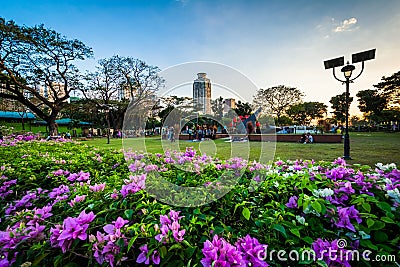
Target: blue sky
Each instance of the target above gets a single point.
(271, 42)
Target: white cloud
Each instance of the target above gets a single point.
(182, 2)
(347, 25)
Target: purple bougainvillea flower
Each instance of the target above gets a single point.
(345, 214)
(155, 257)
(292, 202)
(251, 249)
(164, 220)
(143, 255)
(220, 253)
(330, 252)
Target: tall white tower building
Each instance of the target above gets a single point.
(202, 93)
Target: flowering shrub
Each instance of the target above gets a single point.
(64, 203)
(14, 139)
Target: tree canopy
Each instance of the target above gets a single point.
(304, 113)
(217, 107)
(390, 86)
(37, 68)
(277, 100)
(371, 102)
(243, 108)
(339, 106)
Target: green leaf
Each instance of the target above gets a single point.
(218, 230)
(322, 263)
(130, 244)
(308, 240)
(377, 225)
(246, 213)
(368, 244)
(380, 236)
(186, 243)
(175, 246)
(305, 204)
(370, 222)
(281, 229)
(238, 205)
(163, 251)
(317, 207)
(39, 259)
(366, 206)
(189, 252)
(128, 214)
(384, 206)
(387, 220)
(295, 231)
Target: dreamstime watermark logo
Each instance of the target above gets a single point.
(203, 81)
(329, 254)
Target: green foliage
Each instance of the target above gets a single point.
(339, 106)
(251, 207)
(390, 86)
(304, 113)
(37, 56)
(371, 102)
(217, 107)
(278, 99)
(243, 108)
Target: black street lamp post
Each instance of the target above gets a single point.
(347, 71)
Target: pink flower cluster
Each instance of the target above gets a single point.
(155, 256)
(329, 252)
(170, 224)
(97, 187)
(220, 252)
(105, 244)
(344, 216)
(24, 202)
(79, 177)
(72, 229)
(77, 199)
(133, 185)
(29, 231)
(5, 186)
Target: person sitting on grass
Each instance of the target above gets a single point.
(309, 139)
(303, 139)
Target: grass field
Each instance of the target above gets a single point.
(365, 148)
(35, 128)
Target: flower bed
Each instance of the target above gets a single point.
(67, 204)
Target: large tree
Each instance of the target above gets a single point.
(339, 106)
(217, 107)
(314, 110)
(243, 108)
(276, 100)
(120, 83)
(304, 113)
(141, 83)
(102, 89)
(181, 107)
(37, 68)
(390, 86)
(297, 113)
(372, 103)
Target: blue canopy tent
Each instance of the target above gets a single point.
(65, 121)
(14, 115)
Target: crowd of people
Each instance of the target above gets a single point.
(201, 132)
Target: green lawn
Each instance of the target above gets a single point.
(34, 128)
(365, 148)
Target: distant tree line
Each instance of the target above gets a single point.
(34, 58)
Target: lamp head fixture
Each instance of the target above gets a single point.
(347, 70)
